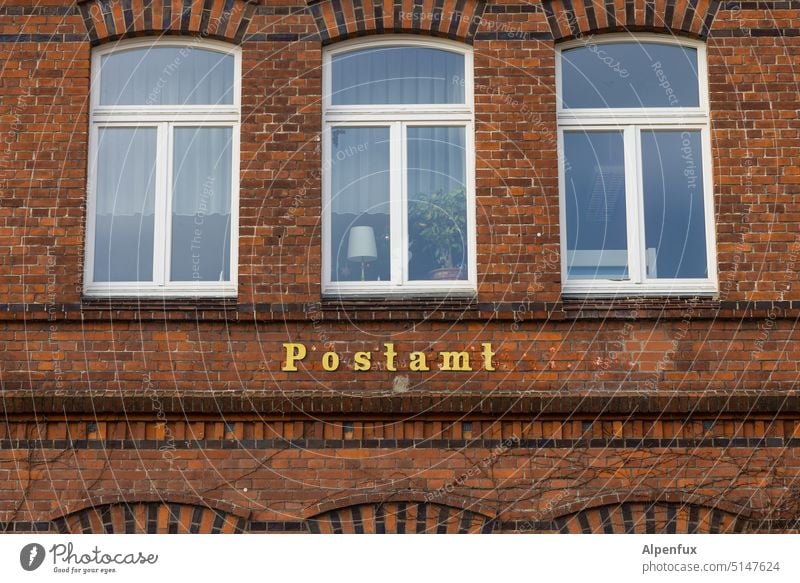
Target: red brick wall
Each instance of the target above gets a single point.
(526, 476)
(45, 97)
(577, 356)
(57, 345)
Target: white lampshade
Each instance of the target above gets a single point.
(361, 245)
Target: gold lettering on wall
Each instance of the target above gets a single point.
(295, 353)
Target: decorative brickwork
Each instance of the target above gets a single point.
(399, 518)
(576, 18)
(602, 414)
(114, 19)
(149, 518)
(342, 19)
(528, 423)
(650, 518)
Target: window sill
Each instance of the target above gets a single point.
(218, 297)
(611, 290)
(158, 304)
(185, 292)
(397, 303)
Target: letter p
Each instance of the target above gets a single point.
(294, 353)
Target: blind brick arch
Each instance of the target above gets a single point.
(107, 20)
(651, 518)
(399, 518)
(150, 518)
(576, 18)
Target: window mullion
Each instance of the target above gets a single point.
(399, 235)
(632, 203)
(642, 248)
(161, 244)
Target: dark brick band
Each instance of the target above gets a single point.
(387, 405)
(389, 309)
(325, 444)
(755, 32)
(37, 10)
(42, 38)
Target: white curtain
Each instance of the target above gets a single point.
(201, 204)
(166, 76)
(360, 170)
(126, 167)
(436, 158)
(201, 171)
(125, 199)
(398, 75)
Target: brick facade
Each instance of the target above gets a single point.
(633, 415)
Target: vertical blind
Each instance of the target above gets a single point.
(167, 76)
(398, 75)
(125, 207)
(360, 170)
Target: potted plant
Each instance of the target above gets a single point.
(438, 229)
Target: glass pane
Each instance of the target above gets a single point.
(597, 244)
(360, 236)
(201, 204)
(126, 192)
(629, 75)
(437, 204)
(166, 76)
(674, 214)
(397, 75)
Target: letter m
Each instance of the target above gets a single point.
(455, 361)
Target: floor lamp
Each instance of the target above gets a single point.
(361, 247)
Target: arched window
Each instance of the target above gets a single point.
(164, 169)
(398, 170)
(635, 167)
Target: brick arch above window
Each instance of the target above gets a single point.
(149, 518)
(342, 19)
(576, 18)
(400, 517)
(108, 20)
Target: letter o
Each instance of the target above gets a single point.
(330, 361)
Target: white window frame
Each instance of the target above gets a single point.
(631, 121)
(164, 118)
(398, 118)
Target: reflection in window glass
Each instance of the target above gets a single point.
(437, 203)
(629, 75)
(166, 76)
(397, 75)
(125, 211)
(360, 249)
(675, 233)
(201, 204)
(595, 205)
